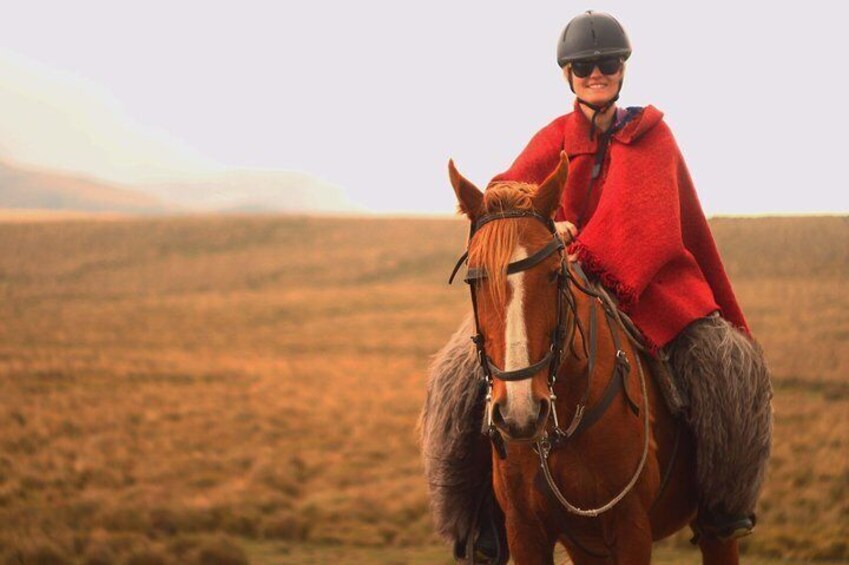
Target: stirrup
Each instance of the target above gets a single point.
(486, 550)
(486, 543)
(480, 558)
(722, 527)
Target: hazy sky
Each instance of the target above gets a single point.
(376, 96)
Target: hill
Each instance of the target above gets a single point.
(24, 188)
(255, 191)
(239, 191)
(175, 388)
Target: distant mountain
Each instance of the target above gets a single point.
(31, 188)
(255, 191)
(230, 191)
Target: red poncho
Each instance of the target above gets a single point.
(644, 235)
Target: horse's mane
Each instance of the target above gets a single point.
(493, 245)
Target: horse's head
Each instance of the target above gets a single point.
(517, 312)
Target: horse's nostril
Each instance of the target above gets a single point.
(497, 418)
(542, 416)
(529, 426)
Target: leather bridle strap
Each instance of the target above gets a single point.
(553, 246)
(617, 383)
(456, 268)
(483, 220)
(520, 374)
(551, 359)
(556, 244)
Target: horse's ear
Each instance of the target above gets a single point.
(547, 196)
(468, 195)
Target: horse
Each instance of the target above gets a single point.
(555, 349)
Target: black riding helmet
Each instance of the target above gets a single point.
(593, 35)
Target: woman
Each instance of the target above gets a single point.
(634, 221)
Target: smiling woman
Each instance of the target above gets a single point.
(592, 51)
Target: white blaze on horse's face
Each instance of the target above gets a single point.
(520, 407)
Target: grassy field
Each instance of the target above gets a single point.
(245, 389)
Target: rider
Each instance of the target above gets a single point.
(635, 223)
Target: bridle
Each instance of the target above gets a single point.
(563, 333)
(553, 358)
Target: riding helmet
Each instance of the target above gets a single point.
(592, 35)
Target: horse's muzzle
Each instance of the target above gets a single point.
(531, 429)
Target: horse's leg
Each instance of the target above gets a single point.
(633, 542)
(631, 549)
(529, 543)
(583, 559)
(628, 538)
(716, 552)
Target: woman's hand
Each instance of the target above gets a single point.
(567, 231)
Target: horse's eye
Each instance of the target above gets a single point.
(553, 276)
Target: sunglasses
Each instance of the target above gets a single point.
(609, 66)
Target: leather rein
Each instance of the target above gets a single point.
(562, 334)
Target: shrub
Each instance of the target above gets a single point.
(284, 525)
(221, 551)
(99, 554)
(147, 556)
(37, 552)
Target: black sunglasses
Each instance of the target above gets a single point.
(608, 66)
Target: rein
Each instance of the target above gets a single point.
(582, 418)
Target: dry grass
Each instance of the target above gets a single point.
(186, 390)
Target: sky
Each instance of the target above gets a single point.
(375, 96)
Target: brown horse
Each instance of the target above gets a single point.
(554, 349)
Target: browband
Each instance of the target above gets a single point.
(553, 246)
(528, 262)
(483, 220)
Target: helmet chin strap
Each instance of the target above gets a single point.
(597, 109)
